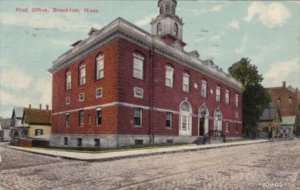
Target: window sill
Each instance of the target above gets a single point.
(169, 86)
(138, 126)
(138, 78)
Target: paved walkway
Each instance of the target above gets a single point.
(130, 153)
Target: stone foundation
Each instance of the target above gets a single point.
(111, 141)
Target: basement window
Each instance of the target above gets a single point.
(139, 142)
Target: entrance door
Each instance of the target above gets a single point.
(201, 126)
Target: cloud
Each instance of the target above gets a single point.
(15, 78)
(234, 24)
(271, 15)
(241, 49)
(216, 8)
(144, 21)
(65, 22)
(42, 87)
(6, 98)
(283, 71)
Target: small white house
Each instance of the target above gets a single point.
(5, 125)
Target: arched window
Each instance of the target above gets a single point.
(100, 66)
(82, 74)
(175, 28)
(169, 75)
(173, 9)
(161, 10)
(68, 80)
(185, 118)
(159, 28)
(218, 93)
(138, 65)
(203, 88)
(186, 82)
(227, 96)
(167, 8)
(218, 122)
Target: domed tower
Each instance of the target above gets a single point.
(167, 25)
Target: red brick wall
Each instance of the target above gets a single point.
(286, 108)
(118, 85)
(108, 83)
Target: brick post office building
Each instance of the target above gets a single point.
(123, 86)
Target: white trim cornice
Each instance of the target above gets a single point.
(121, 28)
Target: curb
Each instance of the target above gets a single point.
(135, 155)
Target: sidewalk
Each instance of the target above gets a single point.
(105, 156)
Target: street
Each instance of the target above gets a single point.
(272, 165)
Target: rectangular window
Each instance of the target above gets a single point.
(81, 97)
(169, 76)
(138, 66)
(89, 119)
(67, 100)
(227, 97)
(236, 100)
(169, 120)
(227, 127)
(138, 92)
(67, 119)
(98, 117)
(80, 115)
(100, 67)
(68, 81)
(66, 141)
(138, 116)
(203, 88)
(99, 92)
(290, 100)
(218, 94)
(79, 142)
(82, 75)
(186, 82)
(138, 142)
(97, 143)
(38, 132)
(184, 121)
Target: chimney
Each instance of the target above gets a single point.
(284, 84)
(29, 106)
(47, 107)
(40, 106)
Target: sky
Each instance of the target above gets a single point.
(266, 32)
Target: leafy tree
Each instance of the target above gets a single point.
(255, 97)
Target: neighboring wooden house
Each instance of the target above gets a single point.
(38, 123)
(5, 125)
(30, 123)
(17, 116)
(287, 127)
(269, 121)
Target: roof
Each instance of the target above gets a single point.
(269, 114)
(18, 112)
(120, 28)
(288, 120)
(37, 116)
(5, 123)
